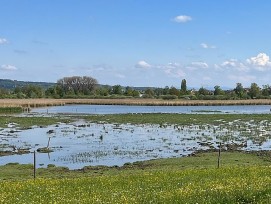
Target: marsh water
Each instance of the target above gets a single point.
(122, 109)
(82, 143)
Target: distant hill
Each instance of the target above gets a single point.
(11, 84)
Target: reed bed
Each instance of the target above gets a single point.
(30, 103)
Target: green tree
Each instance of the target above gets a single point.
(239, 90)
(117, 89)
(203, 91)
(183, 87)
(254, 91)
(149, 93)
(218, 91)
(166, 91)
(136, 93)
(266, 90)
(174, 91)
(128, 91)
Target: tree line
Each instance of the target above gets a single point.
(88, 87)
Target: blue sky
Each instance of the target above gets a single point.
(137, 42)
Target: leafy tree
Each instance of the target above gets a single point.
(174, 91)
(266, 90)
(117, 89)
(218, 91)
(203, 91)
(166, 91)
(103, 91)
(254, 91)
(136, 93)
(239, 90)
(183, 87)
(158, 91)
(128, 91)
(149, 93)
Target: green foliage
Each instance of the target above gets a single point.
(10, 110)
(254, 91)
(174, 92)
(203, 91)
(149, 93)
(183, 87)
(218, 91)
(117, 90)
(169, 97)
(266, 90)
(239, 90)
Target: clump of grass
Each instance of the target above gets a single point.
(10, 110)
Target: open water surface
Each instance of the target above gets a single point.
(122, 109)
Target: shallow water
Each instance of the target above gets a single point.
(80, 144)
(122, 109)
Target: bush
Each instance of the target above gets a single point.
(169, 97)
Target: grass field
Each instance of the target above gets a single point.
(243, 178)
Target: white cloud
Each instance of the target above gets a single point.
(8, 67)
(233, 64)
(173, 70)
(206, 46)
(143, 65)
(201, 65)
(261, 62)
(3, 41)
(182, 19)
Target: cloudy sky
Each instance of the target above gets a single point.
(137, 42)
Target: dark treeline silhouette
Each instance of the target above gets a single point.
(88, 87)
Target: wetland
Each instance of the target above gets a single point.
(76, 140)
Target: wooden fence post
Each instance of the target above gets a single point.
(34, 165)
(219, 152)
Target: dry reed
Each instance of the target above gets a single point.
(31, 103)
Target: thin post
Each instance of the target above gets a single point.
(34, 165)
(48, 142)
(219, 152)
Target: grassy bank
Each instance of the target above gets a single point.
(26, 122)
(134, 101)
(243, 178)
(11, 110)
(180, 119)
(152, 118)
